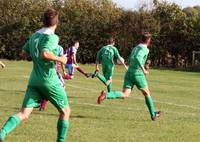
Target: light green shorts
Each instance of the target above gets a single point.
(55, 94)
(131, 79)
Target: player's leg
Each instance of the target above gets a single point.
(101, 78)
(30, 101)
(127, 87)
(58, 97)
(79, 69)
(13, 121)
(143, 86)
(108, 73)
(70, 74)
(63, 124)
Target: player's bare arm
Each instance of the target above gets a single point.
(50, 56)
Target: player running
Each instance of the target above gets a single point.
(107, 55)
(136, 76)
(43, 82)
(72, 63)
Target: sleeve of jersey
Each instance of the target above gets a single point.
(50, 43)
(25, 48)
(140, 56)
(116, 56)
(61, 51)
(74, 50)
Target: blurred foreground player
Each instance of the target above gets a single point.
(43, 82)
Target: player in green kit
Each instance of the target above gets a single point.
(43, 82)
(107, 56)
(136, 76)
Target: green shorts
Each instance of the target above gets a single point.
(55, 94)
(131, 79)
(108, 72)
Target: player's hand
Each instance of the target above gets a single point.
(97, 68)
(63, 59)
(146, 72)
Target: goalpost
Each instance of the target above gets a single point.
(194, 57)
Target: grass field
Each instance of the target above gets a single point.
(176, 94)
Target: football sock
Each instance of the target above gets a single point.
(150, 105)
(113, 95)
(62, 128)
(101, 78)
(10, 125)
(109, 87)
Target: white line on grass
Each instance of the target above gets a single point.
(95, 91)
(129, 108)
(161, 102)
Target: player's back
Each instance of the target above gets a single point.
(107, 54)
(137, 58)
(43, 70)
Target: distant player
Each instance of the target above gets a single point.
(2, 65)
(136, 76)
(43, 81)
(107, 56)
(72, 63)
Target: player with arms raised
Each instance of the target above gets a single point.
(136, 76)
(43, 81)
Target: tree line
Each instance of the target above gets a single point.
(175, 31)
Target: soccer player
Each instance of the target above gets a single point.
(2, 65)
(43, 82)
(107, 55)
(72, 63)
(136, 76)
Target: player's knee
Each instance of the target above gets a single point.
(125, 95)
(23, 116)
(65, 112)
(126, 92)
(145, 93)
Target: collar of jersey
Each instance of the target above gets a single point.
(143, 45)
(47, 31)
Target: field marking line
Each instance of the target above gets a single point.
(161, 102)
(128, 108)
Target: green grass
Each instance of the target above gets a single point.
(176, 94)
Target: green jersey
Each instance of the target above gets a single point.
(43, 71)
(107, 55)
(137, 59)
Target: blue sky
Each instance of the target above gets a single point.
(134, 4)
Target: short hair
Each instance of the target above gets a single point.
(111, 40)
(74, 42)
(145, 36)
(50, 17)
